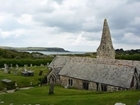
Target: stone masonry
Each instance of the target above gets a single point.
(106, 50)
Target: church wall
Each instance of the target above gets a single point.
(113, 88)
(92, 86)
(52, 73)
(77, 83)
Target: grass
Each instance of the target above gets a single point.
(23, 81)
(63, 96)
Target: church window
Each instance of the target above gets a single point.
(85, 85)
(70, 82)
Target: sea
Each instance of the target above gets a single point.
(58, 53)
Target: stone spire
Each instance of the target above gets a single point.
(106, 50)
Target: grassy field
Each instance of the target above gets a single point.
(23, 81)
(63, 96)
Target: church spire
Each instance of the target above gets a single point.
(106, 50)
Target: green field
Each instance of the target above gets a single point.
(63, 96)
(23, 81)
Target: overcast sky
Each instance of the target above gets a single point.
(75, 25)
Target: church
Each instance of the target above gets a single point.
(103, 73)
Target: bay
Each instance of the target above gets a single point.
(57, 53)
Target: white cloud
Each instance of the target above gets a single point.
(71, 24)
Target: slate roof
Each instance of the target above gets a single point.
(58, 63)
(112, 72)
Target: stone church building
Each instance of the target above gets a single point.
(104, 73)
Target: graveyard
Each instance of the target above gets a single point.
(23, 76)
(39, 95)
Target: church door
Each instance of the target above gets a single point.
(85, 85)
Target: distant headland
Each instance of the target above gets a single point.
(51, 49)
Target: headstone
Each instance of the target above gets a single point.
(25, 69)
(31, 65)
(119, 103)
(40, 72)
(17, 67)
(15, 84)
(51, 87)
(5, 68)
(1, 102)
(138, 102)
(31, 83)
(11, 66)
(5, 89)
(41, 65)
(25, 65)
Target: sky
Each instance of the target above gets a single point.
(75, 25)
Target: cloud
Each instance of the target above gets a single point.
(70, 24)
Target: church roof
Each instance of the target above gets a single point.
(59, 61)
(112, 72)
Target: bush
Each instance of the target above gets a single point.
(22, 62)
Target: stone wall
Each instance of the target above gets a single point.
(92, 86)
(76, 82)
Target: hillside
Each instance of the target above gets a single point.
(52, 49)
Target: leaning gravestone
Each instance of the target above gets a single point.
(17, 67)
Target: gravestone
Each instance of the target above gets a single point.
(11, 66)
(16, 86)
(138, 102)
(40, 72)
(5, 68)
(119, 103)
(51, 87)
(31, 65)
(31, 84)
(17, 67)
(41, 65)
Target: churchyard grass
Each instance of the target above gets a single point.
(61, 95)
(23, 81)
(64, 96)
